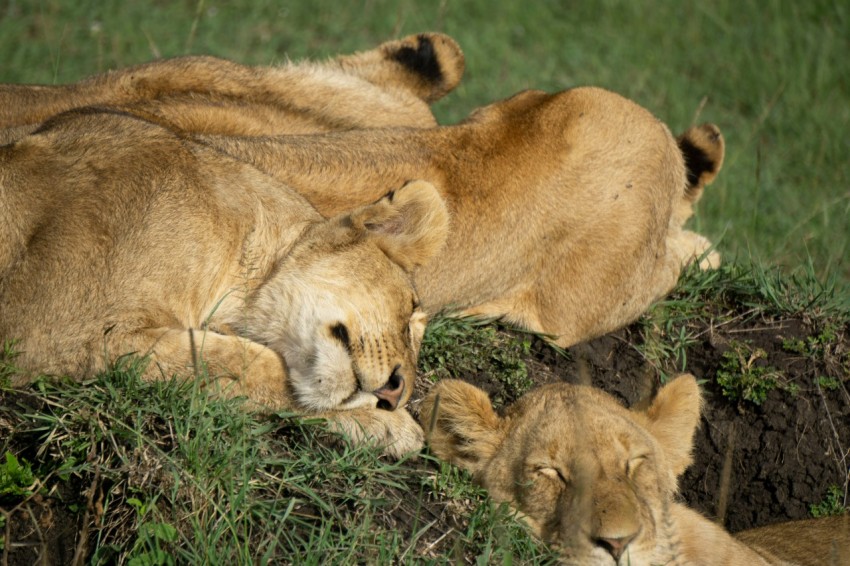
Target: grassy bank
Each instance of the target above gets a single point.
(114, 470)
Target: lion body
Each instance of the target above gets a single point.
(599, 481)
(119, 236)
(389, 86)
(553, 197)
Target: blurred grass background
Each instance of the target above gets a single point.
(773, 74)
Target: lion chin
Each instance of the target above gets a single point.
(599, 481)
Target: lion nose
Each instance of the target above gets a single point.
(615, 546)
(389, 395)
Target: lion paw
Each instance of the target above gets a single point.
(394, 431)
(710, 261)
(692, 247)
(708, 258)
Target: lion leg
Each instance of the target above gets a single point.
(683, 248)
(234, 365)
(429, 65)
(510, 309)
(239, 367)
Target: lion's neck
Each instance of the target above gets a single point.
(339, 171)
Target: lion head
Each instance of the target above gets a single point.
(340, 306)
(587, 474)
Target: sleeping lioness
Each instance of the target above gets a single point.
(119, 236)
(388, 86)
(567, 209)
(599, 481)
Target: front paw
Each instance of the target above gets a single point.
(708, 258)
(698, 248)
(394, 431)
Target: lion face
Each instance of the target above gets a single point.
(588, 475)
(341, 308)
(351, 332)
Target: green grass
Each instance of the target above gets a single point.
(832, 504)
(453, 348)
(774, 75)
(747, 290)
(181, 478)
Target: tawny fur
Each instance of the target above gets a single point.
(567, 209)
(599, 481)
(377, 88)
(119, 236)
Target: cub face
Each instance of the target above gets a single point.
(341, 308)
(588, 475)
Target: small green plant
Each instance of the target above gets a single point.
(457, 347)
(154, 537)
(795, 345)
(826, 348)
(827, 382)
(742, 377)
(832, 504)
(16, 478)
(816, 346)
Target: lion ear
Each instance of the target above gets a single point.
(410, 224)
(460, 424)
(673, 419)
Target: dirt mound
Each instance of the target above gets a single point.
(773, 442)
(756, 462)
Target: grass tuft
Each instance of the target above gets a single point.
(455, 347)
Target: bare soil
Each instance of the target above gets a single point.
(753, 464)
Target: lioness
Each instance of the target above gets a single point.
(567, 209)
(120, 236)
(599, 481)
(390, 85)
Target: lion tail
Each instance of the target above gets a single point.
(703, 149)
